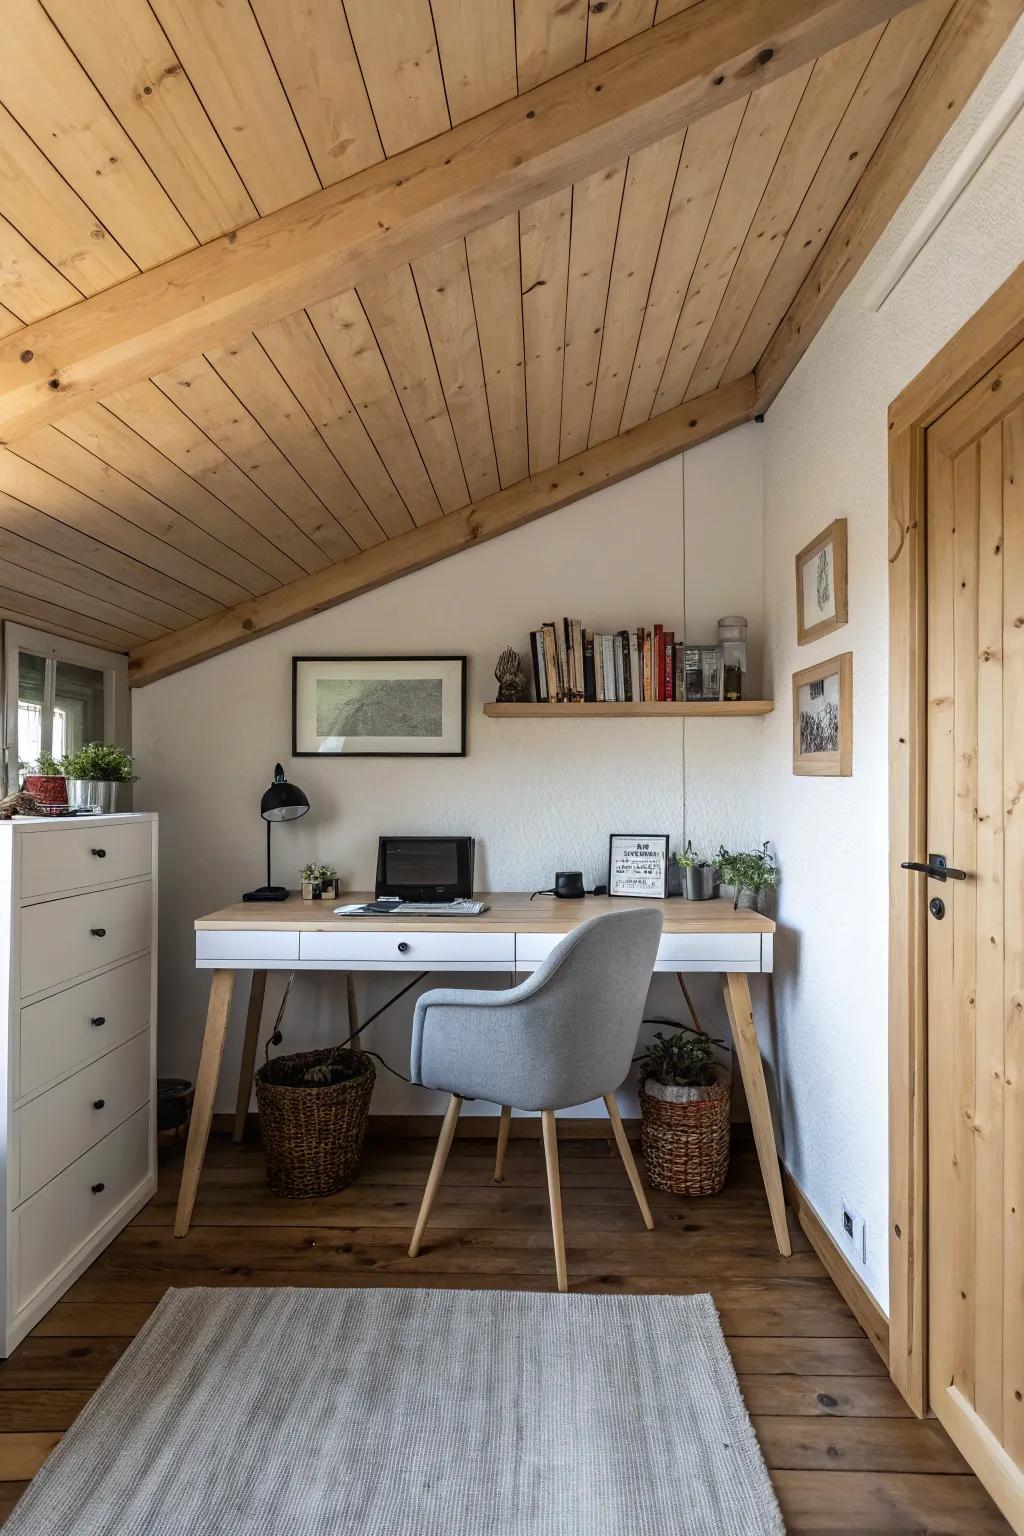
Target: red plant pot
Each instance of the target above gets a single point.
(52, 793)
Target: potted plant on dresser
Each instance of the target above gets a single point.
(684, 1114)
(47, 785)
(93, 774)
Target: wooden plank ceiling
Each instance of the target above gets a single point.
(132, 131)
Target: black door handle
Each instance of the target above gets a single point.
(98, 853)
(98, 933)
(936, 868)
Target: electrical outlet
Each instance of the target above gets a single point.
(854, 1234)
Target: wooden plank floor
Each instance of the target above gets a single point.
(844, 1452)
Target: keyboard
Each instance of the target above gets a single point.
(461, 908)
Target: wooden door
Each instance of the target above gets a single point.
(975, 817)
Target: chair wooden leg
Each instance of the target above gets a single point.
(626, 1153)
(250, 1044)
(444, 1143)
(504, 1129)
(554, 1195)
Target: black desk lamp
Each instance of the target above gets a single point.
(281, 802)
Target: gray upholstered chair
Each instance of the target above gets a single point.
(564, 1036)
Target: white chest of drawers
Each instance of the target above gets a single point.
(77, 1048)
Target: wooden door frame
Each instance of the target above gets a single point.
(976, 348)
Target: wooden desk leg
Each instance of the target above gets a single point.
(250, 1044)
(747, 1054)
(221, 988)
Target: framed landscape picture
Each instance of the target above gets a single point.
(378, 706)
(823, 718)
(821, 589)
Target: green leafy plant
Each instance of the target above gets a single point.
(321, 872)
(682, 1060)
(47, 767)
(100, 762)
(755, 871)
(688, 859)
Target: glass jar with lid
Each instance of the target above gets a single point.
(732, 637)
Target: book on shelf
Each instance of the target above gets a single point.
(590, 693)
(540, 669)
(668, 671)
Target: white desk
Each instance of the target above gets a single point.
(515, 934)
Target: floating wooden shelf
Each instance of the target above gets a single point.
(652, 711)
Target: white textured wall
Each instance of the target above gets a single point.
(538, 795)
(825, 457)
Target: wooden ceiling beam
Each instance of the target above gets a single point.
(966, 44)
(529, 499)
(590, 117)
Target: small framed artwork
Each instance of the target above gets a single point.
(821, 595)
(823, 718)
(378, 706)
(638, 864)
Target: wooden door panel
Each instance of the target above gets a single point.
(1013, 907)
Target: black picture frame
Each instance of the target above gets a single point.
(299, 661)
(662, 838)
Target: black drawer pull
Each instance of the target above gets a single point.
(98, 1021)
(98, 933)
(99, 1103)
(98, 853)
(403, 948)
(98, 1189)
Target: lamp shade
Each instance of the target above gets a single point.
(283, 801)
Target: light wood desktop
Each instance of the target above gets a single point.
(514, 934)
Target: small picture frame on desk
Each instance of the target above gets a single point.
(638, 864)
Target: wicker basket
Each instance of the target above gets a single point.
(686, 1144)
(312, 1134)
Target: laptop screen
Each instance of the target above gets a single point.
(425, 868)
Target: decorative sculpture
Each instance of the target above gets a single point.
(511, 677)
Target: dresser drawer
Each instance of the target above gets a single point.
(49, 1229)
(64, 939)
(68, 1030)
(52, 1131)
(67, 859)
(400, 951)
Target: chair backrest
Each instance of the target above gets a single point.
(582, 1009)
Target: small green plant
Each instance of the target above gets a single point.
(755, 872)
(682, 1060)
(48, 767)
(688, 859)
(99, 762)
(322, 873)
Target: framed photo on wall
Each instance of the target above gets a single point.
(638, 864)
(823, 718)
(378, 706)
(821, 584)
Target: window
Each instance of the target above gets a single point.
(60, 694)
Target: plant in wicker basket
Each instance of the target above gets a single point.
(684, 1109)
(313, 1108)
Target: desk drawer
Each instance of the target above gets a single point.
(49, 1229)
(64, 939)
(239, 945)
(69, 859)
(412, 951)
(68, 1030)
(55, 1129)
(677, 951)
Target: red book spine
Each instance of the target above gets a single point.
(658, 661)
(668, 649)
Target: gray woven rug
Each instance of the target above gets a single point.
(393, 1412)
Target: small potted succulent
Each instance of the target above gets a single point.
(698, 875)
(47, 785)
(751, 875)
(684, 1113)
(93, 775)
(319, 882)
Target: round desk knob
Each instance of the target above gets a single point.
(403, 948)
(98, 1189)
(99, 1103)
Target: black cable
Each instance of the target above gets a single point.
(383, 1009)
